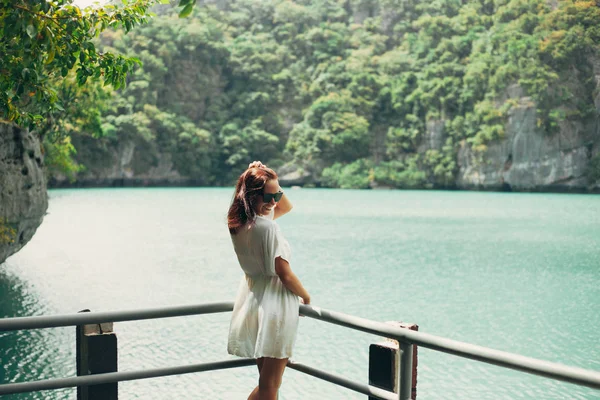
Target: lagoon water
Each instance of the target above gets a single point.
(514, 272)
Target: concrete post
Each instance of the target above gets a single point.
(96, 354)
(385, 361)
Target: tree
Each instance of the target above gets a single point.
(384, 91)
(41, 41)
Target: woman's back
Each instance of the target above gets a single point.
(258, 244)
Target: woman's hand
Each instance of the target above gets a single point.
(256, 164)
(305, 301)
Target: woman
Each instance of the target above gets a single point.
(265, 315)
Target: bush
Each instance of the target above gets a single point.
(405, 175)
(7, 233)
(356, 175)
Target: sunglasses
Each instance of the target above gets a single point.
(267, 197)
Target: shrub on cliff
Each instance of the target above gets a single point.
(7, 233)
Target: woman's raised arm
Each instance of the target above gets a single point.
(283, 207)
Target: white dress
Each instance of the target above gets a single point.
(265, 314)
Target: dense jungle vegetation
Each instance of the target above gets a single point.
(348, 90)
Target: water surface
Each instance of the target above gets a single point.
(514, 272)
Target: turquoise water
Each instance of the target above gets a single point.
(514, 272)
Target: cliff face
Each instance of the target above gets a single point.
(526, 159)
(125, 163)
(23, 195)
(529, 159)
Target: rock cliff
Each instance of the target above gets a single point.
(23, 195)
(123, 163)
(529, 159)
(526, 159)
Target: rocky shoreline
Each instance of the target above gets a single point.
(163, 183)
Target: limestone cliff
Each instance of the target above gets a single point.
(23, 195)
(529, 159)
(123, 163)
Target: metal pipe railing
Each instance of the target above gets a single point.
(64, 383)
(547, 369)
(578, 376)
(341, 381)
(111, 377)
(55, 321)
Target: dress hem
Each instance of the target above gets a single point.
(257, 357)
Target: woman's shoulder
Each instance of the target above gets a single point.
(264, 225)
(264, 222)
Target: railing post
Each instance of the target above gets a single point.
(406, 372)
(383, 366)
(393, 365)
(96, 354)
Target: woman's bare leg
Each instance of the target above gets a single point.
(259, 364)
(254, 394)
(271, 374)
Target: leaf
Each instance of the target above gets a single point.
(187, 10)
(31, 31)
(49, 33)
(50, 57)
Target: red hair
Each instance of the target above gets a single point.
(249, 186)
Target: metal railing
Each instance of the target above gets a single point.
(406, 339)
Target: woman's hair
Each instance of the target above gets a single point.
(249, 186)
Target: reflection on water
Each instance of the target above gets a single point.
(30, 355)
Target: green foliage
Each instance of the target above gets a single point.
(400, 174)
(59, 158)
(331, 130)
(43, 40)
(80, 115)
(441, 165)
(8, 234)
(241, 145)
(363, 92)
(356, 175)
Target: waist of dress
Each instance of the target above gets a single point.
(260, 276)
